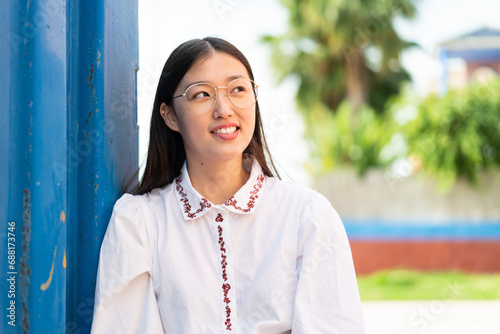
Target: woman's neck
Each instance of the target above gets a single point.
(217, 181)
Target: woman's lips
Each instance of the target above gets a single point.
(228, 131)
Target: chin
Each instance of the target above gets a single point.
(230, 155)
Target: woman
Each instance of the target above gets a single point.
(212, 242)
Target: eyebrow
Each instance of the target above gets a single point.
(229, 79)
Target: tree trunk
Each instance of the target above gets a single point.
(357, 80)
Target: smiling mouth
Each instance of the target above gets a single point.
(228, 130)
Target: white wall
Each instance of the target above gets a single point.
(412, 199)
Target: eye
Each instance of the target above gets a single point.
(200, 95)
(199, 92)
(238, 89)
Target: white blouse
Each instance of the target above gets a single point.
(273, 259)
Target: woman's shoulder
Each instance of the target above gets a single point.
(129, 203)
(140, 214)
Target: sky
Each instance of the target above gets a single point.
(163, 25)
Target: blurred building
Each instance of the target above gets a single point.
(474, 56)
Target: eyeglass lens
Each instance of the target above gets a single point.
(200, 98)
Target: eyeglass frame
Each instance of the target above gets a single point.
(217, 94)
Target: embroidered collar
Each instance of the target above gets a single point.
(193, 205)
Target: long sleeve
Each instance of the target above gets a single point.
(327, 298)
(125, 300)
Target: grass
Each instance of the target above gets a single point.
(416, 285)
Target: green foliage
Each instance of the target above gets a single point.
(349, 139)
(415, 285)
(450, 137)
(384, 88)
(345, 56)
(342, 49)
(457, 135)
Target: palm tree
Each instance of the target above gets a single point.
(342, 49)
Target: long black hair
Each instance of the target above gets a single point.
(166, 153)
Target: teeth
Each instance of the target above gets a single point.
(226, 130)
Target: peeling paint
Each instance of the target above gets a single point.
(95, 187)
(98, 58)
(46, 285)
(63, 216)
(24, 262)
(30, 129)
(93, 97)
(64, 259)
(91, 76)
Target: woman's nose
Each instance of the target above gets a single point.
(223, 107)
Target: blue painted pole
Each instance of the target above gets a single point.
(69, 132)
(443, 59)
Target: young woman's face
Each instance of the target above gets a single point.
(222, 132)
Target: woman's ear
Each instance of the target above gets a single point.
(168, 115)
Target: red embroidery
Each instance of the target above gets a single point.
(204, 204)
(225, 287)
(254, 194)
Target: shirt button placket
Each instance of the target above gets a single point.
(228, 301)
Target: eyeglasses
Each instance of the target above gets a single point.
(201, 97)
